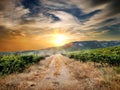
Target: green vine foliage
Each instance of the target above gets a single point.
(109, 56)
(17, 63)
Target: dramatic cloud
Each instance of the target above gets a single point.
(26, 20)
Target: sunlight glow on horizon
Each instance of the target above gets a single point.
(59, 39)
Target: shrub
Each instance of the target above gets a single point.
(17, 63)
(110, 56)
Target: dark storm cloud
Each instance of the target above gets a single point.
(9, 33)
(109, 20)
(78, 14)
(114, 7)
(94, 3)
(34, 6)
(109, 14)
(4, 32)
(113, 29)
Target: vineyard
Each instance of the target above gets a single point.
(105, 56)
(16, 63)
(58, 72)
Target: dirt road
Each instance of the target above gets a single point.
(54, 73)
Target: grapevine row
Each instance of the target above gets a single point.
(109, 56)
(16, 63)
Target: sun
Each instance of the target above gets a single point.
(59, 39)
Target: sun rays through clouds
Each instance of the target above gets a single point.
(22, 21)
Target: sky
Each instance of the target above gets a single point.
(32, 24)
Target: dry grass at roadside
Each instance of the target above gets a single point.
(93, 78)
(27, 79)
(65, 74)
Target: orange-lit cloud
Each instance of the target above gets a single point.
(31, 24)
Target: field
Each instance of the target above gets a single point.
(97, 69)
(105, 56)
(17, 63)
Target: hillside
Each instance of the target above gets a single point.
(83, 45)
(74, 46)
(109, 56)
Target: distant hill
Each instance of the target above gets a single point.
(81, 45)
(74, 46)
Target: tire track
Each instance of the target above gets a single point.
(58, 76)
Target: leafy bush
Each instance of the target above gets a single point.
(110, 56)
(17, 63)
